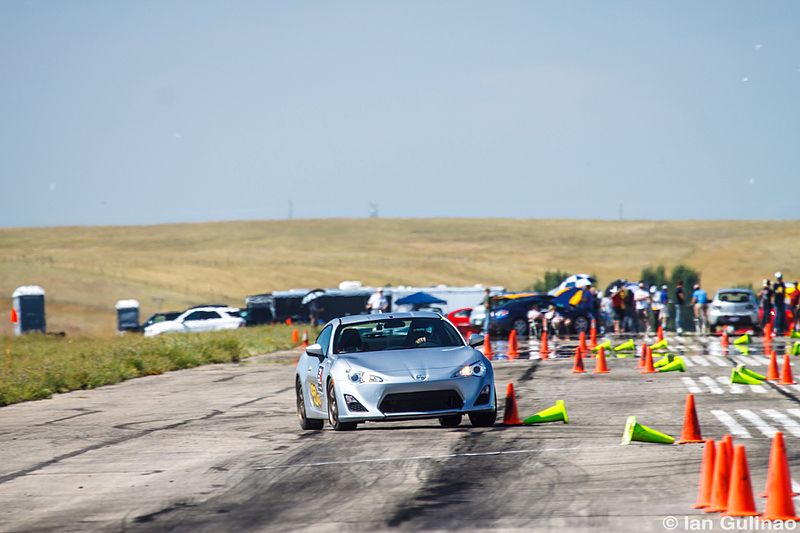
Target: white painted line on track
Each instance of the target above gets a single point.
(758, 422)
(719, 361)
(687, 361)
(431, 457)
(733, 426)
(691, 386)
(700, 360)
(708, 381)
(758, 388)
(760, 358)
(795, 412)
(792, 426)
(734, 388)
(749, 361)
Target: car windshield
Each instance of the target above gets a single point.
(395, 334)
(734, 297)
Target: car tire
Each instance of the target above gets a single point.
(484, 419)
(450, 421)
(333, 412)
(305, 422)
(520, 325)
(582, 323)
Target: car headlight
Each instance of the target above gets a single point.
(500, 314)
(475, 369)
(365, 377)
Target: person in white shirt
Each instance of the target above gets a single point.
(378, 303)
(642, 299)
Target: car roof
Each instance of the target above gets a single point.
(211, 308)
(355, 319)
(737, 289)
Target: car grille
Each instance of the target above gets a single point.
(419, 402)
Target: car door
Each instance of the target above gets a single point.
(195, 321)
(316, 374)
(214, 321)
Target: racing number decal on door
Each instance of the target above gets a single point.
(315, 389)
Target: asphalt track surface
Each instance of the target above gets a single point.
(218, 448)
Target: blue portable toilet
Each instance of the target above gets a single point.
(28, 302)
(127, 315)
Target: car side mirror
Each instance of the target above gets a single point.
(315, 350)
(475, 340)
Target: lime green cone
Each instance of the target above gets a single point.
(796, 348)
(606, 344)
(556, 413)
(628, 345)
(744, 339)
(625, 355)
(677, 365)
(743, 379)
(660, 345)
(795, 334)
(635, 432)
(747, 372)
(664, 360)
(744, 350)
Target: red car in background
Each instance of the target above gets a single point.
(460, 319)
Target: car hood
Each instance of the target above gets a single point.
(400, 362)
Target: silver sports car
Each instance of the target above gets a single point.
(397, 366)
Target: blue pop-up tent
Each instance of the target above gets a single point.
(419, 299)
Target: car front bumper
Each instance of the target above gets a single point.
(411, 400)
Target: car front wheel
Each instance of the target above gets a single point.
(521, 327)
(484, 419)
(333, 412)
(450, 421)
(305, 422)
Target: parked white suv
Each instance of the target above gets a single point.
(198, 319)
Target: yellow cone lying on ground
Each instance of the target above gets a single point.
(660, 345)
(624, 355)
(737, 376)
(744, 339)
(664, 360)
(796, 348)
(635, 432)
(556, 413)
(606, 344)
(676, 365)
(752, 373)
(627, 345)
(795, 334)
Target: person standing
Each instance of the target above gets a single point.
(680, 301)
(765, 302)
(664, 313)
(618, 308)
(700, 303)
(642, 300)
(378, 303)
(630, 324)
(779, 303)
(487, 306)
(795, 303)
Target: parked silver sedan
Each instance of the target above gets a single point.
(398, 366)
(733, 307)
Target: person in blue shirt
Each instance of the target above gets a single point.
(700, 303)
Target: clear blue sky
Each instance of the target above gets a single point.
(129, 112)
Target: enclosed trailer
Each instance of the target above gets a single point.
(259, 309)
(28, 304)
(127, 315)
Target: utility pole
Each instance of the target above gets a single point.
(291, 209)
(373, 210)
(621, 217)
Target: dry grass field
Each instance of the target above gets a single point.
(86, 269)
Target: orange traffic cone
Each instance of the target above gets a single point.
(772, 369)
(510, 415)
(706, 477)
(593, 335)
(786, 372)
(289, 321)
(722, 477)
(768, 330)
(295, 336)
(660, 334)
(487, 347)
(648, 362)
(305, 339)
(577, 366)
(725, 340)
(582, 342)
(642, 356)
(600, 366)
(691, 425)
(779, 484)
(513, 349)
(775, 463)
(740, 494)
(543, 348)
